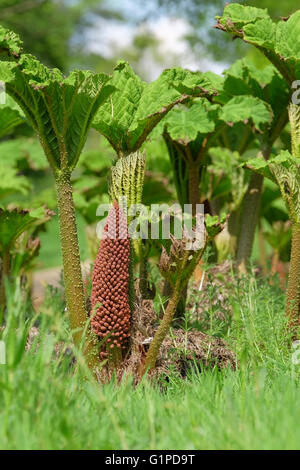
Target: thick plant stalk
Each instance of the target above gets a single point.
(194, 199)
(181, 305)
(274, 263)
(194, 192)
(293, 290)
(166, 293)
(248, 221)
(144, 286)
(233, 229)
(74, 292)
(179, 167)
(163, 328)
(251, 204)
(143, 276)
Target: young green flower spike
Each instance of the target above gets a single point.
(110, 290)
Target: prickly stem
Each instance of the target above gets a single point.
(293, 290)
(166, 322)
(248, 221)
(74, 292)
(233, 229)
(163, 328)
(194, 192)
(250, 215)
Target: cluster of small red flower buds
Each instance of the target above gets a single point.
(110, 289)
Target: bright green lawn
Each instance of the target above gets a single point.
(45, 404)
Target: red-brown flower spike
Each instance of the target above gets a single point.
(110, 289)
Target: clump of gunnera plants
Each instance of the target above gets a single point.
(110, 289)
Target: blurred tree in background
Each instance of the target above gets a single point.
(47, 26)
(56, 30)
(200, 14)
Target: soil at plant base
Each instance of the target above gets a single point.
(181, 350)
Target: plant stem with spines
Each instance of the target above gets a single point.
(163, 328)
(293, 290)
(74, 292)
(248, 221)
(233, 229)
(194, 192)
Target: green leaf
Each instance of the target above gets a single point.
(243, 108)
(10, 117)
(283, 157)
(262, 33)
(11, 44)
(214, 224)
(276, 166)
(85, 182)
(26, 251)
(233, 180)
(28, 149)
(59, 109)
(11, 183)
(136, 108)
(185, 123)
(288, 37)
(280, 41)
(238, 15)
(14, 222)
(97, 160)
(286, 170)
(272, 206)
(261, 166)
(217, 81)
(88, 207)
(116, 116)
(243, 78)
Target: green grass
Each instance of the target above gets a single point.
(47, 404)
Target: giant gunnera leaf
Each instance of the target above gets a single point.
(10, 117)
(202, 121)
(243, 78)
(136, 107)
(279, 41)
(60, 109)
